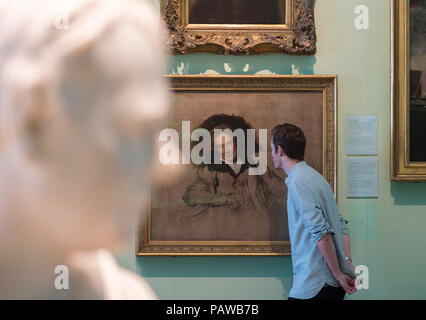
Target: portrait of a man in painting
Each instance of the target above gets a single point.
(227, 188)
(220, 200)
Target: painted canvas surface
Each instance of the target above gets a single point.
(222, 202)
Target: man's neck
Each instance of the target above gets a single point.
(288, 165)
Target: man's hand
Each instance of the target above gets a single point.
(347, 283)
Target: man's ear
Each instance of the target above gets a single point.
(281, 151)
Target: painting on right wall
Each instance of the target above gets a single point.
(409, 91)
(418, 80)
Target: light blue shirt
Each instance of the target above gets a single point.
(313, 213)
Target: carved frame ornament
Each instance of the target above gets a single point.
(296, 37)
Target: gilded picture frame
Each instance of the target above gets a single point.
(290, 92)
(296, 36)
(402, 166)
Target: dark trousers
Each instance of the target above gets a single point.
(327, 293)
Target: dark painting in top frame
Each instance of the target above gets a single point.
(240, 27)
(265, 12)
(408, 156)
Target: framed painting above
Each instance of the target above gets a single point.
(220, 208)
(240, 27)
(408, 152)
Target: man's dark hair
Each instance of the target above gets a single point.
(291, 138)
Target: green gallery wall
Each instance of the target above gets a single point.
(387, 234)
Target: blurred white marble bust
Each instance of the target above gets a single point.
(81, 98)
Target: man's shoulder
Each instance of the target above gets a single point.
(309, 178)
(305, 174)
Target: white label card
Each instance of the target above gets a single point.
(361, 135)
(362, 177)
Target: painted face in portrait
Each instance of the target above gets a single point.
(226, 146)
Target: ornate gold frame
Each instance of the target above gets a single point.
(402, 169)
(296, 37)
(326, 84)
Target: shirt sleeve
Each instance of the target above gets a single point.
(312, 215)
(344, 223)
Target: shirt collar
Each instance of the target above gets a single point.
(293, 170)
(228, 162)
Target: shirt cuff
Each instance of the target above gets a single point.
(345, 229)
(322, 232)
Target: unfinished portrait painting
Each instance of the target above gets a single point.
(220, 207)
